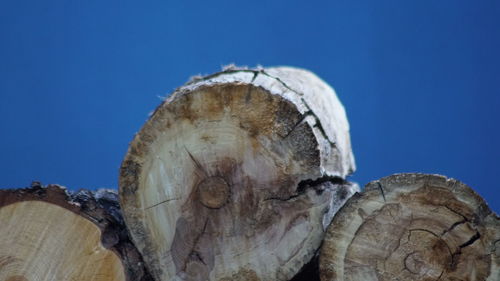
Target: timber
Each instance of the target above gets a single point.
(237, 175)
(413, 227)
(47, 234)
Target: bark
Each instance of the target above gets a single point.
(237, 175)
(47, 233)
(413, 227)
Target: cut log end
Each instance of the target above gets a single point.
(210, 185)
(412, 227)
(46, 235)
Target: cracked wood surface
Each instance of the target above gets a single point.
(236, 176)
(413, 227)
(48, 234)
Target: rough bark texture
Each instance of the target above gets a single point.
(47, 233)
(413, 227)
(236, 176)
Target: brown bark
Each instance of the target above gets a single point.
(236, 176)
(413, 227)
(47, 233)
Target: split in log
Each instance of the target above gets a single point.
(46, 234)
(310, 271)
(413, 227)
(236, 176)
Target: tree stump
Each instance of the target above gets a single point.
(236, 176)
(413, 227)
(45, 234)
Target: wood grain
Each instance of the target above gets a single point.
(47, 233)
(236, 176)
(413, 227)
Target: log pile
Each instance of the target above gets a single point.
(242, 175)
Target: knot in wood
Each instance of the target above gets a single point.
(213, 192)
(428, 255)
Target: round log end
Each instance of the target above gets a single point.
(48, 234)
(234, 176)
(413, 227)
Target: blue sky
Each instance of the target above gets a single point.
(419, 79)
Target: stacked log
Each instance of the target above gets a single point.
(242, 175)
(47, 233)
(237, 175)
(413, 227)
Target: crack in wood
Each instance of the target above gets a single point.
(308, 183)
(381, 188)
(454, 211)
(316, 184)
(289, 198)
(309, 111)
(194, 255)
(317, 123)
(162, 202)
(263, 72)
(300, 122)
(254, 76)
(471, 241)
(193, 252)
(197, 164)
(256, 72)
(458, 252)
(449, 229)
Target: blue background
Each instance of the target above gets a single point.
(419, 79)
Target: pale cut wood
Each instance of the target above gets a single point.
(413, 227)
(236, 176)
(47, 234)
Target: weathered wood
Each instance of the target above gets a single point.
(48, 234)
(413, 227)
(236, 176)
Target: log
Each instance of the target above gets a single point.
(48, 234)
(413, 227)
(236, 176)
